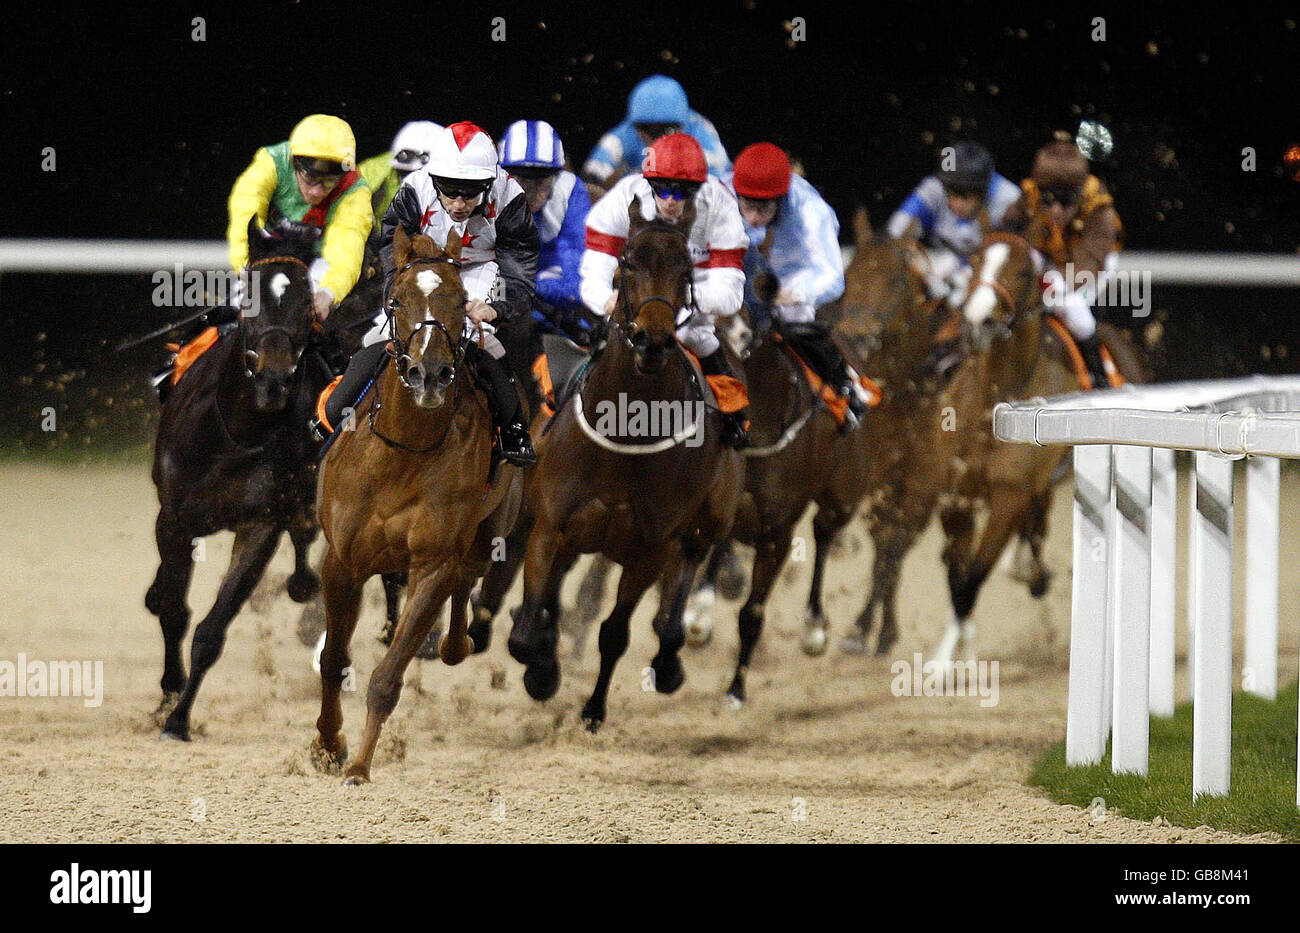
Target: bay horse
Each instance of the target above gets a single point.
(1014, 354)
(411, 489)
(652, 507)
(233, 452)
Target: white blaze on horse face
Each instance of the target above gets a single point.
(279, 282)
(984, 299)
(427, 280)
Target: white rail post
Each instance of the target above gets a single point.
(1212, 691)
(1086, 721)
(1191, 578)
(1164, 543)
(1259, 675)
(1130, 610)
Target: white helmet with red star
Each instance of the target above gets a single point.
(463, 151)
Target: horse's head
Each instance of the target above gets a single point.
(276, 316)
(427, 308)
(654, 282)
(882, 288)
(1004, 289)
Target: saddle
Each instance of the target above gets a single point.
(809, 340)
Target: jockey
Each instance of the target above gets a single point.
(675, 170)
(461, 190)
(794, 235)
(655, 108)
(1068, 215)
(532, 153)
(385, 172)
(950, 212)
(309, 182)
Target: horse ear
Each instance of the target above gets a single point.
(913, 230)
(401, 246)
(862, 232)
(634, 219)
(454, 244)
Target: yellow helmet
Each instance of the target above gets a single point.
(321, 136)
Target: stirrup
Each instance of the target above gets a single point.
(520, 452)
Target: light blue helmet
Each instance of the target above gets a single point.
(657, 99)
(531, 144)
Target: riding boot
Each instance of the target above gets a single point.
(361, 370)
(734, 432)
(1091, 350)
(507, 413)
(815, 343)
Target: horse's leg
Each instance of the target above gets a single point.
(893, 538)
(635, 579)
(826, 525)
(456, 645)
(166, 600)
(254, 545)
(487, 599)
(1007, 505)
(591, 596)
(1029, 567)
(697, 618)
(769, 555)
(394, 584)
(535, 633)
(342, 596)
(303, 583)
(666, 664)
(428, 590)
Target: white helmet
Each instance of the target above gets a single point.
(413, 141)
(465, 152)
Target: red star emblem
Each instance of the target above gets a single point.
(428, 215)
(467, 239)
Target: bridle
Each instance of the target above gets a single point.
(250, 356)
(629, 314)
(398, 348)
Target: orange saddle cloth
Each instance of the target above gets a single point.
(1076, 358)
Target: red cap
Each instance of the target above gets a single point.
(762, 172)
(676, 156)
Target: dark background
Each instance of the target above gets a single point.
(151, 128)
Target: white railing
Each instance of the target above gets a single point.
(152, 255)
(1122, 605)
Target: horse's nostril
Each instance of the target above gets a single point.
(445, 375)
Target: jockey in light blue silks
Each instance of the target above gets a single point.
(794, 235)
(950, 212)
(656, 107)
(532, 153)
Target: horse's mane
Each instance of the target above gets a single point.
(1010, 239)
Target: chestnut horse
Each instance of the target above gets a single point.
(1014, 354)
(411, 489)
(234, 453)
(652, 507)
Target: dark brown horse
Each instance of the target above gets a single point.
(652, 501)
(233, 453)
(410, 490)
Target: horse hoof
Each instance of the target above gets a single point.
(311, 622)
(699, 631)
(172, 735)
(542, 680)
(813, 641)
(1038, 588)
(356, 779)
(884, 645)
(453, 652)
(429, 650)
(854, 644)
(481, 634)
(669, 675)
(326, 761)
(302, 585)
(735, 703)
(592, 718)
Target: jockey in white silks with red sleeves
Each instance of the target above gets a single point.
(674, 171)
(461, 191)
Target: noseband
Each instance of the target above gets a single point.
(250, 357)
(398, 348)
(626, 327)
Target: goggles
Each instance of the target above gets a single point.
(673, 190)
(1062, 196)
(407, 156)
(656, 130)
(460, 188)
